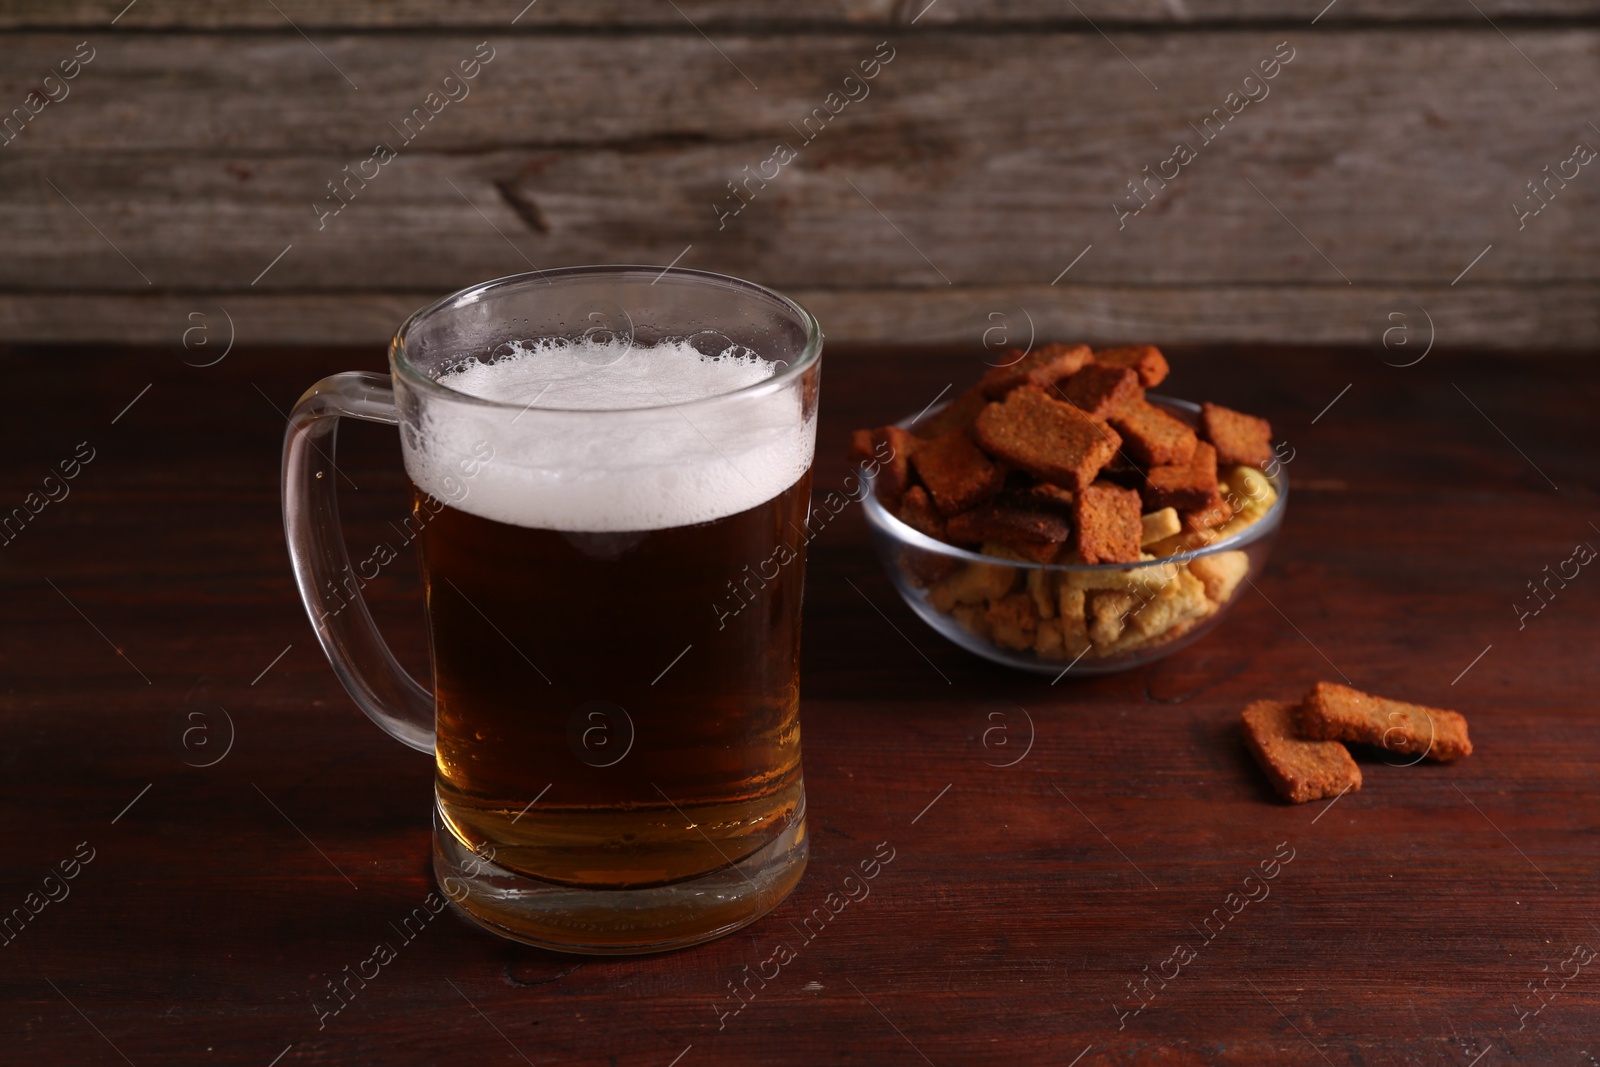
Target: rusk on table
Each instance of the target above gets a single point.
(1338, 713)
(1300, 769)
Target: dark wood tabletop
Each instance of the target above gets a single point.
(238, 833)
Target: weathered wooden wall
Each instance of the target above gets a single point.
(188, 154)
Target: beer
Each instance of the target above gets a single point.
(611, 474)
(552, 656)
(616, 632)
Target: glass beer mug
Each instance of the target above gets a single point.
(611, 472)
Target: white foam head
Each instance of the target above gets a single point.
(606, 437)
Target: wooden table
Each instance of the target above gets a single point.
(152, 627)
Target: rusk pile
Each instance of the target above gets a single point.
(1057, 457)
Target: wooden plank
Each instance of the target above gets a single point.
(197, 163)
(1515, 318)
(994, 182)
(742, 14)
(1045, 101)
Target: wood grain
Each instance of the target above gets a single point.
(186, 161)
(1019, 907)
(922, 187)
(1036, 102)
(1395, 324)
(731, 14)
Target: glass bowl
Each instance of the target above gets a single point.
(1088, 619)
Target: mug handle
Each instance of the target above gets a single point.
(329, 588)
